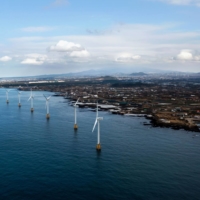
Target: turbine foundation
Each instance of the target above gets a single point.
(98, 147)
(48, 116)
(75, 126)
(19, 105)
(32, 109)
(7, 101)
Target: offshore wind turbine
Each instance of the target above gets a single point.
(97, 122)
(19, 104)
(47, 106)
(75, 116)
(31, 98)
(7, 99)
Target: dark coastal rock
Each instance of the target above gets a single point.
(155, 123)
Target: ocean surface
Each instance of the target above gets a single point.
(47, 159)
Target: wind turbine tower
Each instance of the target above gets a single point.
(7, 99)
(47, 106)
(75, 115)
(19, 104)
(97, 122)
(31, 98)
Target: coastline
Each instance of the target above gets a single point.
(153, 120)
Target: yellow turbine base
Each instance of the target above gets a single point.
(98, 147)
(32, 109)
(19, 105)
(75, 126)
(48, 116)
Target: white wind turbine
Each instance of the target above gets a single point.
(97, 121)
(19, 93)
(75, 116)
(47, 106)
(7, 99)
(31, 98)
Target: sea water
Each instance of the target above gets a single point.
(47, 159)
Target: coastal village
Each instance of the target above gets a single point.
(174, 104)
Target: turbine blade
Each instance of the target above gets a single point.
(44, 96)
(94, 125)
(29, 98)
(76, 101)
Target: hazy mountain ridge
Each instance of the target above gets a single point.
(98, 73)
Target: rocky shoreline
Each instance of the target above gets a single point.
(154, 121)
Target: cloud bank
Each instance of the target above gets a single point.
(130, 46)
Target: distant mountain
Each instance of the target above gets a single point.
(99, 73)
(138, 74)
(108, 78)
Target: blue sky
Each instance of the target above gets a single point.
(61, 36)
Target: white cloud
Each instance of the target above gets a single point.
(5, 58)
(64, 46)
(37, 29)
(80, 54)
(34, 59)
(126, 57)
(182, 2)
(185, 55)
